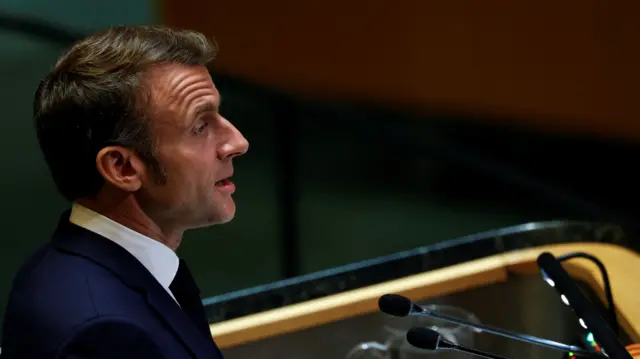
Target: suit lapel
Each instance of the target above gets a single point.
(187, 293)
(182, 326)
(79, 241)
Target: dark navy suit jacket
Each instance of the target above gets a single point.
(83, 296)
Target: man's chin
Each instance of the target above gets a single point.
(219, 212)
(214, 220)
(225, 217)
(223, 214)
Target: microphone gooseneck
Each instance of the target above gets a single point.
(429, 339)
(400, 306)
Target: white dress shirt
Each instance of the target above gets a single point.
(160, 260)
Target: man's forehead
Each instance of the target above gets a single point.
(172, 76)
(172, 87)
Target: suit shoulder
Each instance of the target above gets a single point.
(115, 337)
(50, 281)
(52, 294)
(53, 280)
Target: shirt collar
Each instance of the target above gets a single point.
(160, 260)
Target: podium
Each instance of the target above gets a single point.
(504, 290)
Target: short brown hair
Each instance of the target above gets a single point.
(94, 98)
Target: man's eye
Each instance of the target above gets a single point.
(198, 130)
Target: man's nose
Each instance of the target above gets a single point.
(236, 144)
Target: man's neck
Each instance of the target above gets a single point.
(126, 211)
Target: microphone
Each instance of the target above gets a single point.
(400, 306)
(588, 316)
(429, 339)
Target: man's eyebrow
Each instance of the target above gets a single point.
(207, 107)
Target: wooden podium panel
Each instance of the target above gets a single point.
(622, 266)
(563, 66)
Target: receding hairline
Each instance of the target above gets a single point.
(151, 84)
(138, 46)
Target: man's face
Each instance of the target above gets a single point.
(195, 148)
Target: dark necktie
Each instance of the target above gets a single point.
(187, 294)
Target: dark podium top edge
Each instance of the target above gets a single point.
(377, 270)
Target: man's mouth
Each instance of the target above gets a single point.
(222, 182)
(225, 186)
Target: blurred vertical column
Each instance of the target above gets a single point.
(288, 192)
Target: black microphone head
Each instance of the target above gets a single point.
(544, 259)
(423, 338)
(394, 304)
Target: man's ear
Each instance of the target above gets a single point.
(120, 167)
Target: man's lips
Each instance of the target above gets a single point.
(220, 182)
(225, 176)
(225, 185)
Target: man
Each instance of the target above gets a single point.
(129, 124)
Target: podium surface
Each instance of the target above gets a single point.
(621, 264)
(493, 275)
